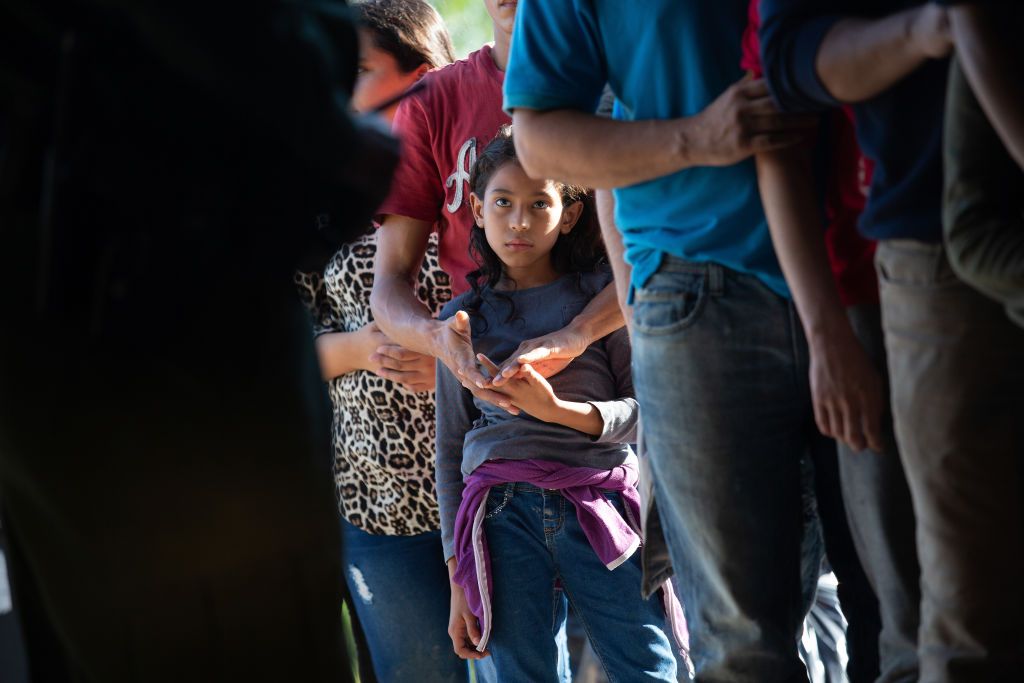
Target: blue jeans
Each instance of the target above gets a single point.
(720, 369)
(400, 591)
(535, 540)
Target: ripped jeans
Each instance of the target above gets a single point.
(400, 591)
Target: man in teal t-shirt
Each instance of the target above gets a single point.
(720, 364)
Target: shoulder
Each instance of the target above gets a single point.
(448, 80)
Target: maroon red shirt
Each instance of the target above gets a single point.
(848, 178)
(443, 127)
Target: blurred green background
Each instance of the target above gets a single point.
(467, 22)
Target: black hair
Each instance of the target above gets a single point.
(411, 31)
(579, 251)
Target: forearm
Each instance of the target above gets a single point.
(601, 317)
(341, 353)
(401, 245)
(559, 144)
(992, 63)
(583, 417)
(861, 58)
(794, 221)
(403, 317)
(613, 245)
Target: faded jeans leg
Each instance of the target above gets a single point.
(882, 522)
(720, 370)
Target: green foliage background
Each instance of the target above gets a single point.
(467, 22)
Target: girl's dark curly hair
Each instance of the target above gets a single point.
(579, 251)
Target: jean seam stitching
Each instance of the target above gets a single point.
(601, 657)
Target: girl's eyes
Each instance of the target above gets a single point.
(505, 203)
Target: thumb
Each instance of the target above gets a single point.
(461, 322)
(471, 627)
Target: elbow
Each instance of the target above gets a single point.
(529, 133)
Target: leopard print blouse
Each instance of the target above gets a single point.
(383, 434)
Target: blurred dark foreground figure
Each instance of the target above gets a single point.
(164, 455)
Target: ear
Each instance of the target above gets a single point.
(570, 216)
(421, 70)
(477, 205)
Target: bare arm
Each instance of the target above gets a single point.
(993, 65)
(846, 389)
(401, 245)
(551, 353)
(343, 352)
(616, 251)
(559, 143)
(861, 58)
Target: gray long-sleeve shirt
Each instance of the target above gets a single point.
(471, 431)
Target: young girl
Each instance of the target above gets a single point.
(552, 487)
(384, 416)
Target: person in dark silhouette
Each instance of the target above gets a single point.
(164, 455)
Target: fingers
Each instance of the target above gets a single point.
(465, 636)
(773, 141)
(488, 364)
(398, 353)
(753, 87)
(848, 429)
(871, 423)
(494, 397)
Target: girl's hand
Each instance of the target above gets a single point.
(463, 627)
(527, 390)
(453, 344)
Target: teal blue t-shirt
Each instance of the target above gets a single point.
(663, 59)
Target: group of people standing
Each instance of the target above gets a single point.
(774, 294)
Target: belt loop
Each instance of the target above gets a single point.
(716, 279)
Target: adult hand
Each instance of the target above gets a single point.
(454, 347)
(930, 31)
(743, 121)
(463, 628)
(414, 371)
(847, 392)
(548, 355)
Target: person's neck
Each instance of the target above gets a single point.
(527, 278)
(499, 53)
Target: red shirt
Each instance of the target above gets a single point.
(443, 127)
(846, 190)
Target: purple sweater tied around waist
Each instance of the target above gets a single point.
(613, 538)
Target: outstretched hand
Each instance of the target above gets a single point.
(454, 345)
(527, 390)
(548, 355)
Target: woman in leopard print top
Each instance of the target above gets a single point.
(383, 430)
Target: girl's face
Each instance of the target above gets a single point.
(503, 14)
(522, 219)
(380, 78)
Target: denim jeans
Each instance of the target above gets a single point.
(881, 514)
(400, 591)
(535, 541)
(956, 363)
(720, 369)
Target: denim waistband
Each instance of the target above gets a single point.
(525, 487)
(715, 272)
